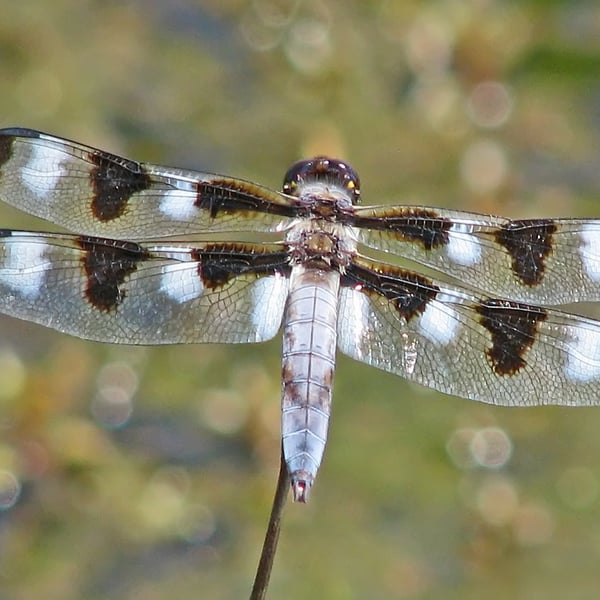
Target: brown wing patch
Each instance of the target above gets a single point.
(107, 263)
(114, 180)
(408, 291)
(529, 244)
(420, 225)
(221, 262)
(229, 196)
(513, 327)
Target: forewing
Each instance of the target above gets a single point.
(541, 261)
(97, 193)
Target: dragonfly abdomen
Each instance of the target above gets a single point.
(309, 346)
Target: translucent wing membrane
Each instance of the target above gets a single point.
(97, 193)
(496, 351)
(122, 292)
(525, 260)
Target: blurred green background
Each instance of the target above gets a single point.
(130, 473)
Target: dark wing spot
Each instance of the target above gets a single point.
(6, 143)
(219, 263)
(227, 196)
(420, 225)
(114, 180)
(513, 327)
(409, 292)
(529, 243)
(107, 264)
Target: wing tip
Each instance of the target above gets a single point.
(21, 132)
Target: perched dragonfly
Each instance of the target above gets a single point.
(130, 275)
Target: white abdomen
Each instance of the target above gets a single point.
(309, 346)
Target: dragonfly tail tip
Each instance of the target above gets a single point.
(301, 487)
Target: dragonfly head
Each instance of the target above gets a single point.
(331, 172)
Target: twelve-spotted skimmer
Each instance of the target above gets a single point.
(129, 276)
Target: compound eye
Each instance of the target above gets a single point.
(327, 170)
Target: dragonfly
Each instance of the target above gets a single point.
(138, 269)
